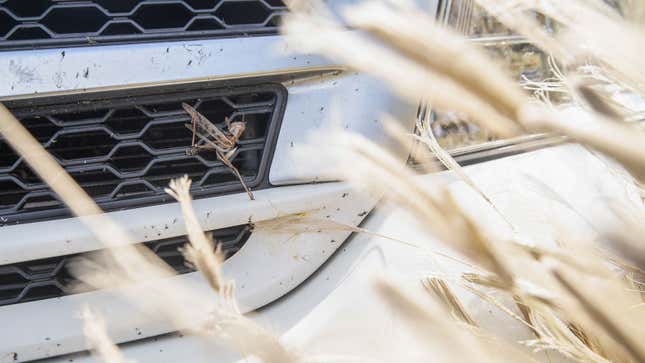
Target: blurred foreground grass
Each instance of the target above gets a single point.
(560, 292)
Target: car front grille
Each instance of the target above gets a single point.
(50, 277)
(123, 151)
(46, 23)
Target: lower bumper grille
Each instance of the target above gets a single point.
(50, 278)
(123, 150)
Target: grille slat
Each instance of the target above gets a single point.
(127, 169)
(53, 23)
(50, 277)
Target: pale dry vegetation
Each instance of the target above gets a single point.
(559, 292)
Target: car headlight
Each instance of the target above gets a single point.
(524, 61)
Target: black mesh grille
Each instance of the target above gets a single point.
(37, 23)
(124, 151)
(49, 277)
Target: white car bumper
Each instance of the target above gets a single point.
(337, 312)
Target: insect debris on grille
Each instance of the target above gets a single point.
(207, 136)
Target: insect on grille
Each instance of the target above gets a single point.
(49, 277)
(46, 23)
(124, 151)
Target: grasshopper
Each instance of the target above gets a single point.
(208, 137)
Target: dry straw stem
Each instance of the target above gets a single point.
(122, 263)
(302, 223)
(511, 14)
(429, 139)
(444, 88)
(200, 251)
(184, 306)
(484, 280)
(104, 228)
(426, 161)
(447, 340)
(598, 102)
(226, 322)
(584, 262)
(428, 322)
(623, 142)
(545, 322)
(452, 303)
(606, 86)
(250, 339)
(627, 336)
(628, 247)
(598, 343)
(554, 334)
(97, 338)
(369, 166)
(418, 37)
(590, 341)
(556, 315)
(586, 29)
(591, 275)
(316, 33)
(625, 241)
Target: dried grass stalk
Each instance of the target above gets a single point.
(410, 79)
(97, 338)
(412, 59)
(623, 337)
(429, 139)
(423, 70)
(621, 141)
(441, 290)
(80, 203)
(448, 342)
(418, 37)
(200, 252)
(182, 305)
(247, 337)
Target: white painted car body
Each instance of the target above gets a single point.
(338, 312)
(287, 280)
(270, 264)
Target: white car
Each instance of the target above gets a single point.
(100, 83)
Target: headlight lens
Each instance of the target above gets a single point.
(470, 19)
(528, 64)
(524, 61)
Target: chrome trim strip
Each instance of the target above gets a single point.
(492, 150)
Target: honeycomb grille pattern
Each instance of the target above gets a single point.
(50, 277)
(124, 152)
(37, 23)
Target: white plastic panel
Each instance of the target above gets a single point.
(269, 265)
(338, 312)
(350, 101)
